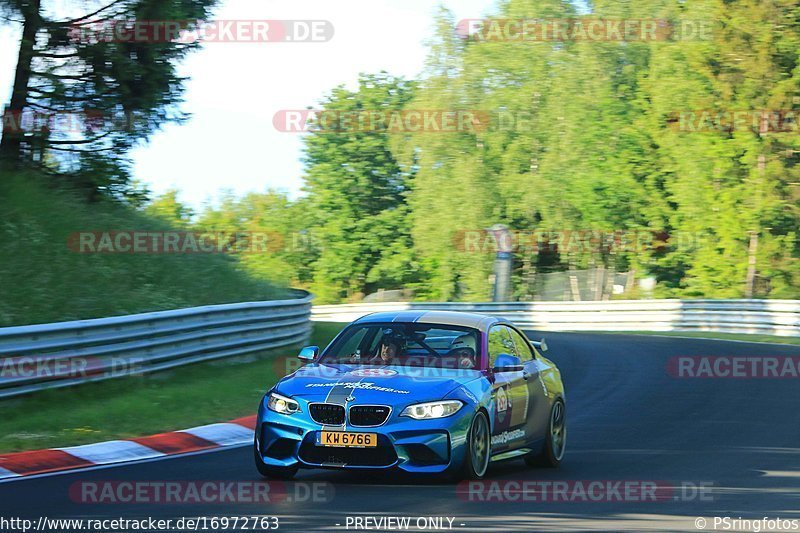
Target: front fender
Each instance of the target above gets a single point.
(476, 395)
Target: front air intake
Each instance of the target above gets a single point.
(368, 415)
(327, 414)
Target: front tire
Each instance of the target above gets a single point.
(479, 448)
(273, 472)
(556, 440)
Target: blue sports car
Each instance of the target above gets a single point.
(420, 391)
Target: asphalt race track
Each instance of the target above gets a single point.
(715, 447)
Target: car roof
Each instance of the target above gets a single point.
(448, 318)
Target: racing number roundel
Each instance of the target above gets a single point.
(373, 373)
(502, 403)
(502, 400)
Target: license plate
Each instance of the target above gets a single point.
(342, 439)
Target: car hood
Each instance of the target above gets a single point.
(369, 383)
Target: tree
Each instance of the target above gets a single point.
(113, 91)
(729, 188)
(169, 208)
(712, 214)
(356, 194)
(276, 226)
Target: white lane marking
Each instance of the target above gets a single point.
(224, 434)
(113, 451)
(227, 435)
(7, 473)
(82, 470)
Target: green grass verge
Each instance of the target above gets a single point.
(135, 406)
(46, 281)
(713, 335)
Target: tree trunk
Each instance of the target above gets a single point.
(752, 251)
(752, 248)
(574, 288)
(11, 143)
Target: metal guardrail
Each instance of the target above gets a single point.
(771, 317)
(56, 355)
(46, 356)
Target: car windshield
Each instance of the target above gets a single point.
(411, 344)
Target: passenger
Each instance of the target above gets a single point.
(463, 349)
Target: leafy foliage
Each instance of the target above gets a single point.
(584, 136)
(96, 92)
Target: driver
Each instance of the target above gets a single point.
(463, 349)
(390, 349)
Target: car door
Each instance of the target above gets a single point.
(509, 394)
(538, 404)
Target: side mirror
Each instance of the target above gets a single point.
(540, 345)
(309, 353)
(507, 363)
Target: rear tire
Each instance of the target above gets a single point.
(555, 442)
(273, 472)
(479, 448)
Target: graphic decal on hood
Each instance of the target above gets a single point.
(358, 385)
(344, 391)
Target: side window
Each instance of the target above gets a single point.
(524, 350)
(499, 342)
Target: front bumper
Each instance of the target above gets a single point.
(417, 446)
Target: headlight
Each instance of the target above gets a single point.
(425, 411)
(282, 404)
